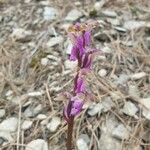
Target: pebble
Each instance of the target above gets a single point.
(95, 109)
(138, 75)
(109, 13)
(9, 93)
(107, 104)
(104, 106)
(35, 94)
(133, 24)
(41, 116)
(98, 5)
(54, 41)
(134, 91)
(130, 109)
(146, 113)
(22, 35)
(113, 21)
(37, 144)
(44, 61)
(6, 136)
(73, 15)
(2, 113)
(120, 132)
(102, 72)
(9, 125)
(70, 64)
(68, 46)
(83, 142)
(120, 29)
(107, 142)
(123, 78)
(26, 125)
(37, 109)
(145, 102)
(29, 112)
(50, 13)
(53, 124)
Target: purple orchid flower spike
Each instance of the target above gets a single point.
(80, 35)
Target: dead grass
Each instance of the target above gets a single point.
(21, 72)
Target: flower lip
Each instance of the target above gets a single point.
(73, 108)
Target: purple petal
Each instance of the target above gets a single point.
(76, 106)
(87, 38)
(80, 45)
(87, 61)
(74, 53)
(79, 85)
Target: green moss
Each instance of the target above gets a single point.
(35, 62)
(93, 13)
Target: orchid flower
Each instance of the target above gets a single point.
(80, 35)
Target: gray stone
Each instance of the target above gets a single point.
(102, 72)
(44, 61)
(20, 34)
(104, 106)
(37, 144)
(107, 104)
(53, 124)
(68, 46)
(83, 142)
(26, 125)
(95, 109)
(29, 112)
(73, 15)
(2, 113)
(120, 29)
(37, 109)
(109, 13)
(50, 13)
(6, 136)
(107, 142)
(134, 91)
(41, 116)
(70, 64)
(130, 109)
(121, 132)
(138, 75)
(146, 113)
(113, 21)
(9, 125)
(133, 24)
(54, 41)
(98, 5)
(123, 78)
(35, 94)
(145, 102)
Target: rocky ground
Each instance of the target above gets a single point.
(34, 71)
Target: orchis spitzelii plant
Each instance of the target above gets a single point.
(80, 35)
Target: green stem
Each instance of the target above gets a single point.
(69, 133)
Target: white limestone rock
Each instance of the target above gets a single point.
(54, 41)
(53, 124)
(130, 109)
(50, 13)
(120, 132)
(73, 15)
(37, 144)
(9, 125)
(26, 125)
(2, 113)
